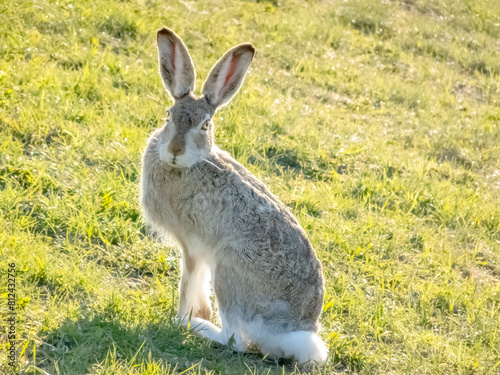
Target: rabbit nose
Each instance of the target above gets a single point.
(176, 147)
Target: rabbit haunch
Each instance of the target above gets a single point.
(234, 233)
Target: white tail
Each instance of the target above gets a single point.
(303, 345)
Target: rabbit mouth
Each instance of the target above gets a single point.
(174, 163)
(178, 162)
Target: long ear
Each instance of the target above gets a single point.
(227, 75)
(176, 66)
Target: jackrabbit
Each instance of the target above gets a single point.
(232, 230)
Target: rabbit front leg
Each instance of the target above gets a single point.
(194, 288)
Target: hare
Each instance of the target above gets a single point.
(234, 233)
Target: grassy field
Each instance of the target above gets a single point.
(376, 122)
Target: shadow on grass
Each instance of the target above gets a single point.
(89, 346)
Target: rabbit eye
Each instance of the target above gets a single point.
(167, 118)
(205, 125)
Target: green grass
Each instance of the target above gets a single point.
(376, 122)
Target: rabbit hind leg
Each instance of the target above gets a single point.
(223, 336)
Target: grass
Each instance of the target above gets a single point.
(376, 122)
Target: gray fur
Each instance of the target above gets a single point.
(264, 270)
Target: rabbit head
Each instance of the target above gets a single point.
(187, 137)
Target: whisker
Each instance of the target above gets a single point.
(209, 162)
(153, 137)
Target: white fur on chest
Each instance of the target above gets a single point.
(198, 249)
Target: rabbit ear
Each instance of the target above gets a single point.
(227, 75)
(176, 66)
